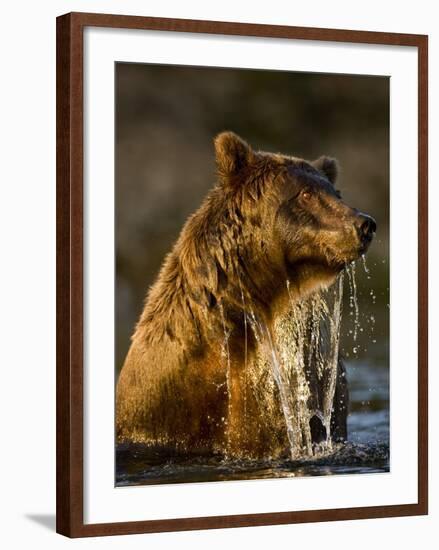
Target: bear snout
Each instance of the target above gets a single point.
(366, 228)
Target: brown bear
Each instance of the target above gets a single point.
(204, 373)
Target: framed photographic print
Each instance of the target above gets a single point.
(241, 274)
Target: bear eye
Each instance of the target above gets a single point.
(306, 195)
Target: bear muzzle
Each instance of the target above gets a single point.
(366, 228)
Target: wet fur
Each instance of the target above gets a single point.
(172, 389)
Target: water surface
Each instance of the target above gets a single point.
(367, 450)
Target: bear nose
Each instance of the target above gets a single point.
(366, 226)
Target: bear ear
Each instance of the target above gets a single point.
(233, 155)
(328, 166)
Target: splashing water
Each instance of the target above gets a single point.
(353, 300)
(294, 382)
(226, 354)
(284, 392)
(335, 324)
(294, 376)
(244, 310)
(370, 319)
(301, 353)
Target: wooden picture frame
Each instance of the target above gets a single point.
(70, 265)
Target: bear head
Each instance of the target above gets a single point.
(309, 231)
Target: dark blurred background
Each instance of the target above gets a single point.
(166, 118)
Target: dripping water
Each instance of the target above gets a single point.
(300, 354)
(353, 301)
(305, 341)
(302, 345)
(366, 269)
(335, 325)
(226, 354)
(283, 386)
(244, 310)
(304, 356)
(371, 318)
